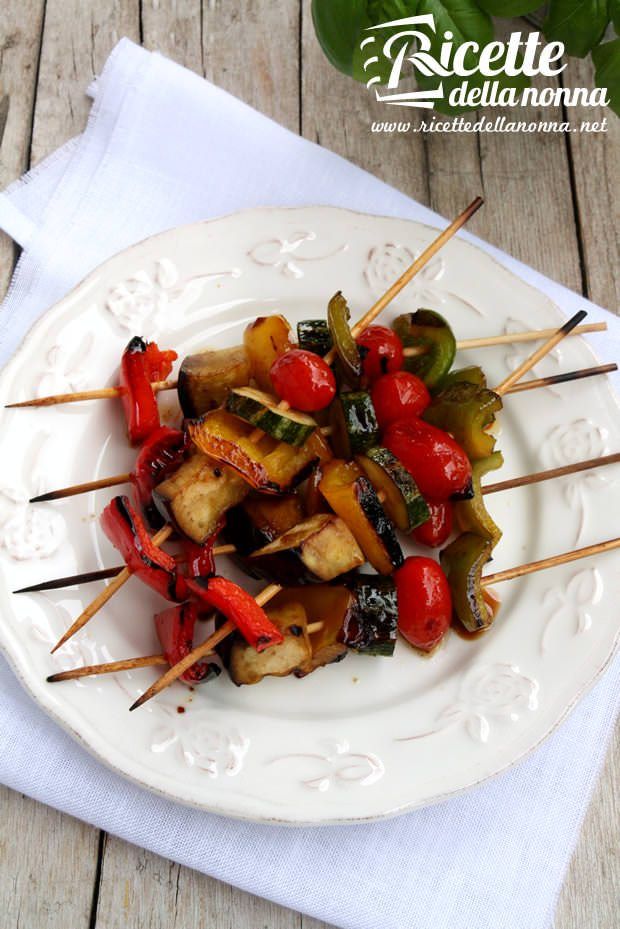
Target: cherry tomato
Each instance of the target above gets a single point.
(438, 527)
(437, 464)
(424, 602)
(304, 380)
(382, 351)
(398, 396)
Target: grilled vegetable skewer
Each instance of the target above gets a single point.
(119, 479)
(108, 393)
(531, 567)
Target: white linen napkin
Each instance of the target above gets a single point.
(164, 147)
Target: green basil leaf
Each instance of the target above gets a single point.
(467, 22)
(614, 14)
(341, 25)
(509, 8)
(606, 58)
(579, 24)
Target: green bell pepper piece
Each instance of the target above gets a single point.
(462, 562)
(465, 410)
(472, 375)
(338, 316)
(472, 515)
(429, 331)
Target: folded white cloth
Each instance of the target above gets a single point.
(164, 147)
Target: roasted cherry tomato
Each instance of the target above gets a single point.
(398, 396)
(437, 527)
(437, 464)
(304, 380)
(381, 351)
(424, 602)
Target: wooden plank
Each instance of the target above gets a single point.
(590, 894)
(140, 890)
(338, 113)
(251, 49)
(175, 30)
(77, 38)
(47, 865)
(595, 167)
(529, 210)
(20, 35)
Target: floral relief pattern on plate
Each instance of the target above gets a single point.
(570, 604)
(335, 766)
(140, 303)
(199, 743)
(66, 369)
(27, 530)
(387, 262)
(498, 692)
(285, 255)
(568, 444)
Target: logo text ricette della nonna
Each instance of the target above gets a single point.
(409, 49)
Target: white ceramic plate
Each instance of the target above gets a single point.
(368, 737)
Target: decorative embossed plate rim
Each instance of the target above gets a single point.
(357, 741)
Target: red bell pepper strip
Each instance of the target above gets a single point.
(155, 567)
(175, 631)
(142, 362)
(240, 607)
(159, 456)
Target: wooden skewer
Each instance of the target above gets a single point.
(540, 353)
(530, 568)
(129, 664)
(429, 252)
(102, 393)
(540, 476)
(125, 664)
(118, 479)
(121, 578)
(551, 562)
(200, 651)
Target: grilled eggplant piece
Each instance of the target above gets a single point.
(292, 655)
(265, 340)
(329, 605)
(371, 625)
(269, 466)
(351, 495)
(206, 378)
(256, 522)
(322, 547)
(197, 496)
(262, 410)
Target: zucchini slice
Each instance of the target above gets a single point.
(351, 495)
(371, 625)
(324, 545)
(354, 423)
(266, 339)
(403, 502)
(206, 378)
(261, 410)
(294, 654)
(198, 494)
(313, 335)
(429, 331)
(268, 466)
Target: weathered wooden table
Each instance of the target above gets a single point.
(553, 201)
